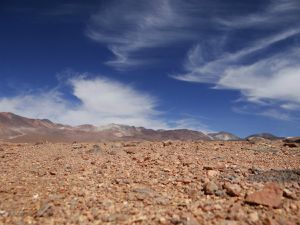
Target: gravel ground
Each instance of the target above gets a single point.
(150, 183)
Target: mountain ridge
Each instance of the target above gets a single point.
(16, 128)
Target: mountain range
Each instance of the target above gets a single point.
(16, 128)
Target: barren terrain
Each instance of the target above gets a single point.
(203, 182)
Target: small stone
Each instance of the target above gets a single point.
(167, 143)
(270, 195)
(109, 218)
(95, 149)
(208, 168)
(52, 173)
(270, 221)
(228, 222)
(45, 211)
(184, 180)
(289, 194)
(232, 189)
(162, 220)
(253, 217)
(210, 188)
(3, 213)
(191, 220)
(76, 146)
(212, 173)
(130, 144)
(161, 200)
(130, 151)
(117, 145)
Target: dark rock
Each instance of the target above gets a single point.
(291, 145)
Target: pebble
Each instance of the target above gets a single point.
(253, 217)
(213, 173)
(289, 194)
(210, 188)
(232, 189)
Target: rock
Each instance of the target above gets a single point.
(160, 200)
(1, 149)
(76, 146)
(292, 140)
(270, 221)
(184, 180)
(208, 167)
(213, 173)
(130, 151)
(253, 217)
(210, 188)
(228, 222)
(288, 194)
(236, 212)
(191, 220)
(52, 173)
(232, 189)
(3, 213)
(291, 145)
(130, 144)
(167, 143)
(38, 143)
(270, 195)
(117, 145)
(45, 211)
(95, 149)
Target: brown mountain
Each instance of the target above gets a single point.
(20, 129)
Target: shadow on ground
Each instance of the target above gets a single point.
(280, 176)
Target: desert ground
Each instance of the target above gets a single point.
(172, 182)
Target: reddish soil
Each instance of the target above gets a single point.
(150, 183)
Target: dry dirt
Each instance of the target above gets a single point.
(150, 183)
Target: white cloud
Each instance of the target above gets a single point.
(261, 73)
(276, 114)
(209, 72)
(277, 13)
(273, 113)
(191, 123)
(101, 101)
(130, 26)
(275, 78)
(98, 101)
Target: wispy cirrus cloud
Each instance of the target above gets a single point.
(129, 27)
(265, 69)
(279, 13)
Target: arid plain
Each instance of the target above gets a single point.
(170, 182)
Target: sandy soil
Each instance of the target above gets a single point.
(150, 183)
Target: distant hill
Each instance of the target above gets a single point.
(21, 129)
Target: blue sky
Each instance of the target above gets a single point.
(209, 65)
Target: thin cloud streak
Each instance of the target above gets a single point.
(267, 79)
(130, 26)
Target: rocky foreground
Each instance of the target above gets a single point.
(150, 183)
